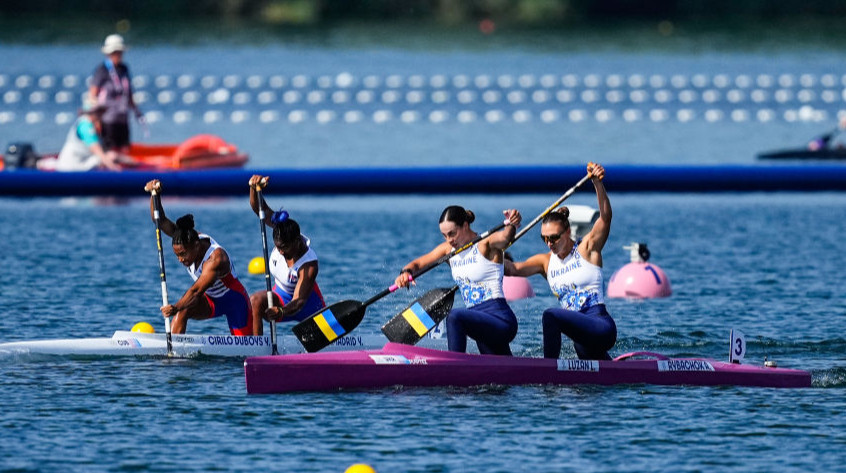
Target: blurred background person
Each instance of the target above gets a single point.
(83, 150)
(111, 87)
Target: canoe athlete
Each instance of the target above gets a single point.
(216, 290)
(574, 273)
(293, 265)
(478, 271)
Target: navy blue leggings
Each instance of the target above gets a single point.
(593, 332)
(492, 324)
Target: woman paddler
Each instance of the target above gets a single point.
(478, 271)
(293, 265)
(216, 290)
(574, 272)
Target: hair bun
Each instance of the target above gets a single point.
(471, 217)
(185, 222)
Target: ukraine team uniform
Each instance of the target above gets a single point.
(486, 318)
(578, 285)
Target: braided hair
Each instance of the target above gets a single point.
(185, 233)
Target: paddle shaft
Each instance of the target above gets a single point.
(262, 216)
(414, 275)
(549, 209)
(157, 204)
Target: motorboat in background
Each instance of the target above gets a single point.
(198, 152)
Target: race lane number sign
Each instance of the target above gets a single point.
(737, 346)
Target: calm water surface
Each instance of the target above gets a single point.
(769, 264)
(765, 263)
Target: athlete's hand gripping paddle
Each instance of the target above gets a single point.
(262, 216)
(157, 203)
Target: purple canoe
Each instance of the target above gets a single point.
(398, 364)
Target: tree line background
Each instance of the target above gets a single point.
(517, 12)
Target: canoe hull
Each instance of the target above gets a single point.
(126, 343)
(827, 154)
(404, 365)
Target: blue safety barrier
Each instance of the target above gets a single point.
(435, 180)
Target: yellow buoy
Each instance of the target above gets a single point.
(256, 265)
(143, 327)
(360, 468)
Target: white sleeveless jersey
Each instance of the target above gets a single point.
(479, 278)
(220, 287)
(576, 282)
(286, 278)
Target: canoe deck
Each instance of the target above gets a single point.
(397, 364)
(126, 343)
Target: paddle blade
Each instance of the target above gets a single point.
(416, 320)
(324, 327)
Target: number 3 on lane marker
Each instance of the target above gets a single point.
(737, 346)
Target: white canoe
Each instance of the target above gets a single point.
(127, 343)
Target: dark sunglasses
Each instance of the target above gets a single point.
(551, 238)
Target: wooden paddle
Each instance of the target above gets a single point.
(268, 285)
(333, 322)
(419, 318)
(157, 203)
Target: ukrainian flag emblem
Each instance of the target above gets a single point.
(418, 319)
(329, 325)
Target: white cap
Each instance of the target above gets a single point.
(114, 42)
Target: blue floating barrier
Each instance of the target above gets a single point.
(441, 180)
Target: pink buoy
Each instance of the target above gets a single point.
(516, 287)
(639, 279)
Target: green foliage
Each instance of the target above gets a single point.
(449, 12)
